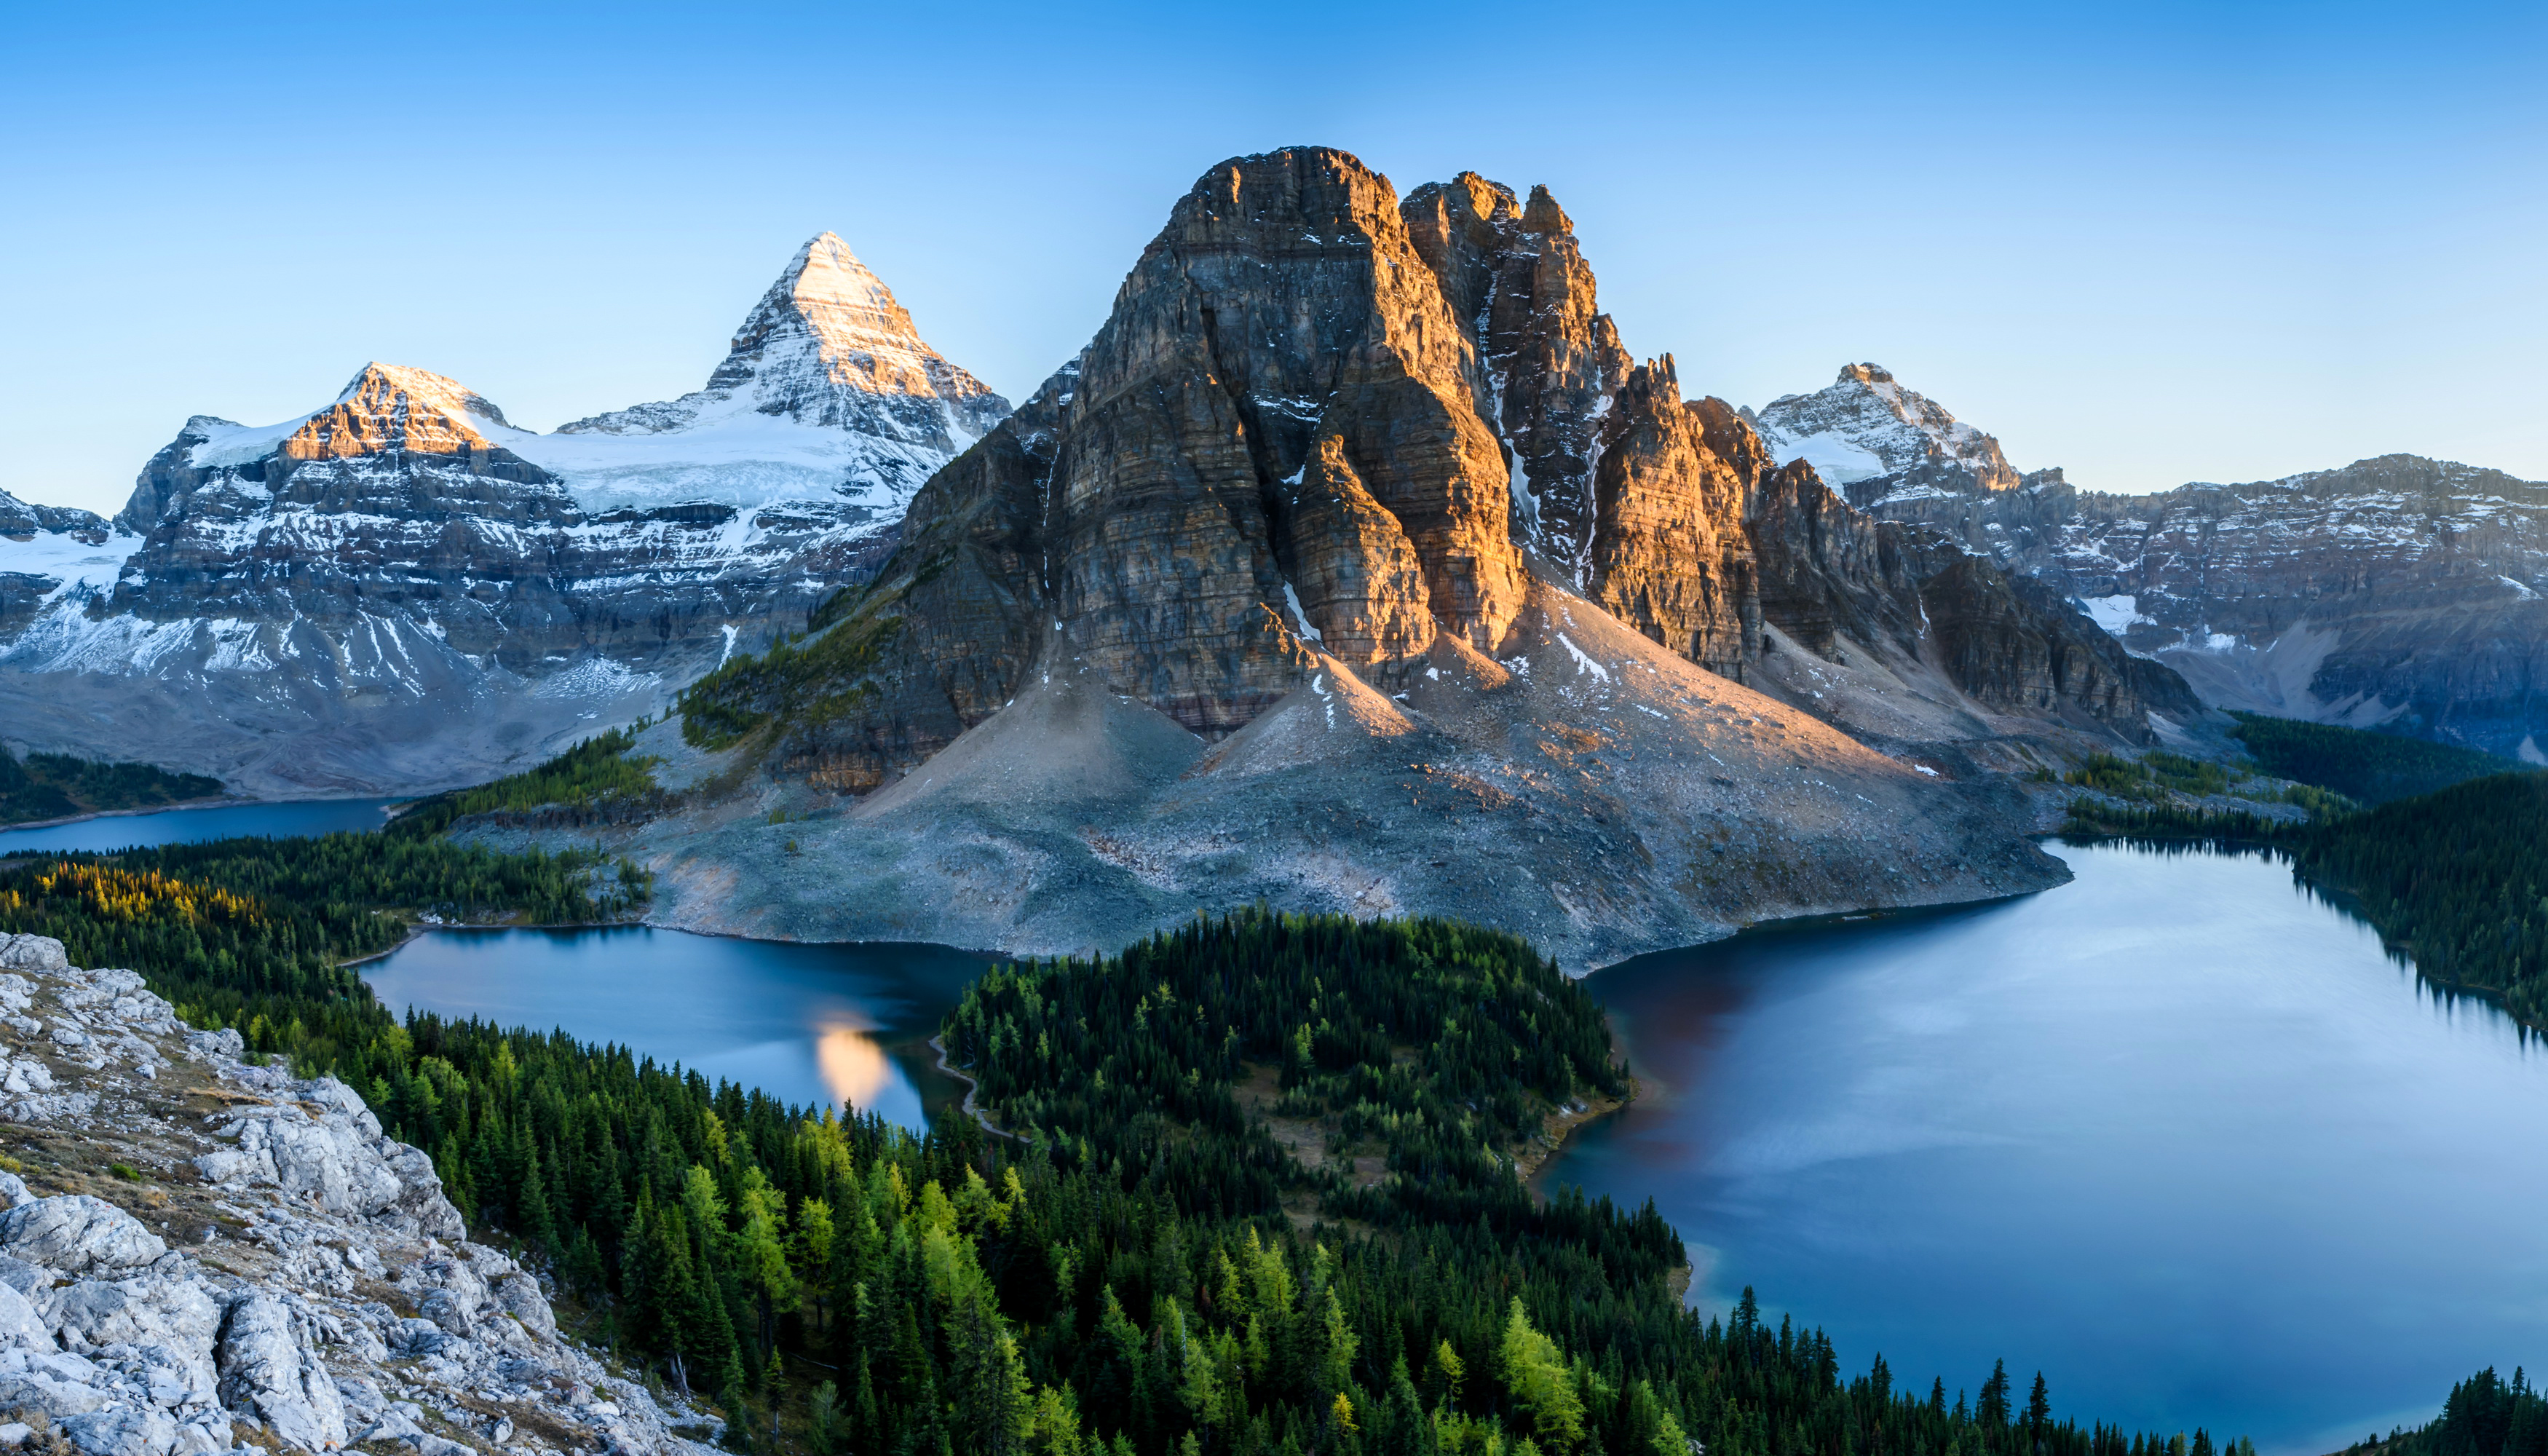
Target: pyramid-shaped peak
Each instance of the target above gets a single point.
(1869, 424)
(828, 345)
(391, 407)
(825, 271)
(377, 387)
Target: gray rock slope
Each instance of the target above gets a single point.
(249, 1295)
(1588, 789)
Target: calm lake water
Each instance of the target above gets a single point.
(812, 1025)
(191, 826)
(2176, 1133)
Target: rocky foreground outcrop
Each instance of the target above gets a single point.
(403, 590)
(281, 1275)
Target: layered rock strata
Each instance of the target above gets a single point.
(1295, 441)
(247, 1293)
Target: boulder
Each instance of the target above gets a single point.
(337, 1158)
(448, 1313)
(122, 1430)
(78, 1235)
(52, 1381)
(269, 1370)
(224, 1043)
(520, 1295)
(34, 953)
(168, 1313)
(19, 1322)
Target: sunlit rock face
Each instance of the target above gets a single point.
(403, 589)
(1296, 439)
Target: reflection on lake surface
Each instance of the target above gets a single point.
(193, 826)
(2176, 1133)
(809, 1024)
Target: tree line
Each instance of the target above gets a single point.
(594, 782)
(2371, 767)
(58, 785)
(2456, 879)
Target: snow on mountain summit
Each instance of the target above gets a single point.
(827, 375)
(428, 593)
(1868, 435)
(827, 393)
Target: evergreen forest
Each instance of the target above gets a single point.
(57, 786)
(2483, 1415)
(2371, 767)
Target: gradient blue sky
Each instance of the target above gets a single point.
(2149, 243)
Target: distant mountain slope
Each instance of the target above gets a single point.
(2398, 592)
(402, 590)
(1875, 440)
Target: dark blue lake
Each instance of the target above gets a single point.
(2177, 1133)
(816, 1024)
(191, 826)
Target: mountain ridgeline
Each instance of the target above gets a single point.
(1355, 567)
(404, 591)
(1323, 425)
(2395, 592)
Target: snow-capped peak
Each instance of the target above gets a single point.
(1865, 425)
(379, 385)
(828, 345)
(384, 406)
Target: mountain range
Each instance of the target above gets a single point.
(400, 590)
(1353, 564)
(2397, 593)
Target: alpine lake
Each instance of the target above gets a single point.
(2179, 1133)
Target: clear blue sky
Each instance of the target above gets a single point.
(2149, 243)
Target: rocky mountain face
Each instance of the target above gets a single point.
(244, 1295)
(402, 589)
(2398, 592)
(1356, 500)
(1878, 441)
(1279, 449)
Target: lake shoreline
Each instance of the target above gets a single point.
(182, 806)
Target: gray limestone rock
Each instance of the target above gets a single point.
(169, 1311)
(338, 1159)
(77, 1233)
(32, 953)
(20, 1323)
(447, 1311)
(268, 1367)
(122, 1430)
(521, 1298)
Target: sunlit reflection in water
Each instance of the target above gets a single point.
(813, 1026)
(854, 1066)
